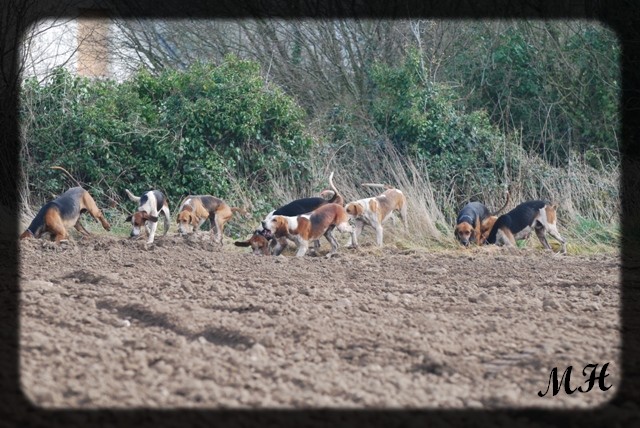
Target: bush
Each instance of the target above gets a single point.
(180, 131)
(421, 119)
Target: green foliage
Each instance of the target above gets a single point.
(556, 82)
(180, 131)
(422, 120)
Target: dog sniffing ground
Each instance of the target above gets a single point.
(110, 322)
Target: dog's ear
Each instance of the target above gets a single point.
(242, 243)
(193, 220)
(129, 217)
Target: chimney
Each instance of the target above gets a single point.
(93, 43)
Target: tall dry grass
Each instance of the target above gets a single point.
(588, 198)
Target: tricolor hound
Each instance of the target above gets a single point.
(518, 223)
(308, 227)
(150, 205)
(298, 207)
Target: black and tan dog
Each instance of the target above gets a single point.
(474, 222)
(196, 210)
(150, 205)
(517, 224)
(63, 212)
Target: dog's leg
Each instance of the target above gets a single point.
(153, 226)
(355, 231)
(80, 228)
(332, 240)
(303, 246)
(281, 244)
(505, 237)
(219, 229)
(379, 234)
(93, 210)
(553, 231)
(540, 233)
(167, 216)
(55, 226)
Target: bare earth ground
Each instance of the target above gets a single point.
(108, 322)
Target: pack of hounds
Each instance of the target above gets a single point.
(302, 221)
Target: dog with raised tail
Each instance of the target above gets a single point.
(150, 205)
(375, 211)
(63, 212)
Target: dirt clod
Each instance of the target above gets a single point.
(104, 323)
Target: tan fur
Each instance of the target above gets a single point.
(57, 226)
(195, 210)
(464, 230)
(305, 228)
(375, 211)
(486, 226)
(258, 243)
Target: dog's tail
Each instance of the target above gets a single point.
(504, 206)
(337, 197)
(241, 211)
(131, 196)
(67, 172)
(383, 186)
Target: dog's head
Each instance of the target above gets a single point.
(187, 222)
(354, 209)
(258, 242)
(264, 226)
(138, 220)
(463, 233)
(278, 226)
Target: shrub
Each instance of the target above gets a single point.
(178, 131)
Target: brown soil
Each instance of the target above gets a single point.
(111, 322)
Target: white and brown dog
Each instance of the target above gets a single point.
(518, 223)
(196, 210)
(298, 207)
(56, 216)
(150, 205)
(309, 227)
(375, 211)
